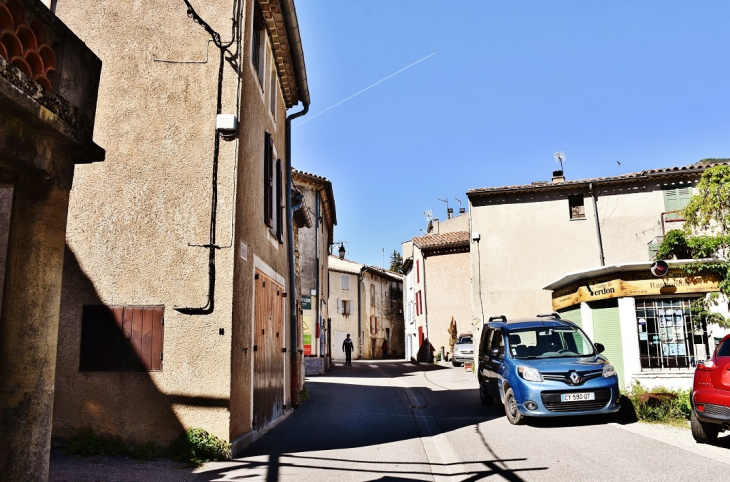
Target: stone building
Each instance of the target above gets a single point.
(178, 306)
(313, 247)
(531, 244)
(367, 303)
(437, 287)
(48, 94)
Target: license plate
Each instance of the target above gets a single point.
(577, 397)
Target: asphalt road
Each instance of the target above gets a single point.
(393, 420)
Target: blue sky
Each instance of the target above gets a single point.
(646, 83)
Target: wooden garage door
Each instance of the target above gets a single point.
(269, 343)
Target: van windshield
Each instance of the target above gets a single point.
(464, 339)
(549, 343)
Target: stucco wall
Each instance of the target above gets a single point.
(341, 322)
(387, 307)
(6, 202)
(528, 240)
(448, 294)
(132, 219)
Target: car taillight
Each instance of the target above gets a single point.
(707, 365)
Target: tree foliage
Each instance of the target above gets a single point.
(396, 262)
(706, 233)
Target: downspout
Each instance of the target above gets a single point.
(429, 357)
(300, 74)
(316, 279)
(360, 334)
(293, 318)
(598, 224)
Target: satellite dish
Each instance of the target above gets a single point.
(429, 214)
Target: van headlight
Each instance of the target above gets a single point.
(608, 370)
(530, 374)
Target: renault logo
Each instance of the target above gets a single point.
(574, 377)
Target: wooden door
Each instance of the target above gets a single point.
(269, 358)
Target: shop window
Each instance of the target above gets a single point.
(671, 334)
(577, 208)
(121, 338)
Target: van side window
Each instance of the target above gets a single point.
(498, 342)
(486, 339)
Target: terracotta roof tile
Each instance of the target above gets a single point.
(696, 168)
(442, 240)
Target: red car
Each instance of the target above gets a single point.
(711, 395)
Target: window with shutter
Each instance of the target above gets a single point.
(121, 338)
(279, 204)
(339, 306)
(577, 207)
(418, 272)
(268, 181)
(344, 282)
(676, 198)
(257, 43)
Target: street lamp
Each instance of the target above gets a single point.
(341, 251)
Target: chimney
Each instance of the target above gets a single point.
(558, 176)
(449, 213)
(462, 211)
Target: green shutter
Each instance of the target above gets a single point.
(607, 330)
(572, 314)
(676, 198)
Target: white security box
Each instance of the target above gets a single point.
(225, 122)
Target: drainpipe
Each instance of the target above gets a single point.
(360, 334)
(316, 280)
(598, 224)
(429, 357)
(293, 318)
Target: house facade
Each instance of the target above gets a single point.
(437, 287)
(524, 238)
(177, 305)
(367, 303)
(313, 247)
(48, 100)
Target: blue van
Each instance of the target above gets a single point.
(544, 367)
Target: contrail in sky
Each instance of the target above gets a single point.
(366, 88)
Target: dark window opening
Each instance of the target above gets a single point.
(121, 338)
(257, 36)
(577, 209)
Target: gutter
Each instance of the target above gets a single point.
(295, 46)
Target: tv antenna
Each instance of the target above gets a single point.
(458, 200)
(444, 201)
(560, 157)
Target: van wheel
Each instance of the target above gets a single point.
(485, 397)
(514, 415)
(704, 433)
(455, 363)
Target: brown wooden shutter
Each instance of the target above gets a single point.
(268, 181)
(279, 207)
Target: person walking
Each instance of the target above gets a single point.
(348, 347)
(385, 348)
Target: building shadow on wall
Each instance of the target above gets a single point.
(425, 351)
(117, 399)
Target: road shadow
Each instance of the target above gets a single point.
(357, 407)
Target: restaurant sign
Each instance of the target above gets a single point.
(633, 283)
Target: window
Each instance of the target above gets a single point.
(121, 338)
(344, 282)
(671, 334)
(257, 43)
(577, 209)
(344, 307)
(372, 297)
(418, 272)
(273, 195)
(273, 92)
(676, 198)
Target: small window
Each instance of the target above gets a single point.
(257, 43)
(273, 92)
(344, 307)
(345, 282)
(577, 209)
(121, 338)
(268, 180)
(676, 199)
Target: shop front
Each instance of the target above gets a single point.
(651, 327)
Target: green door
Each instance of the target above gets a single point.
(572, 314)
(607, 331)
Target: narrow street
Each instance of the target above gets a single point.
(393, 420)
